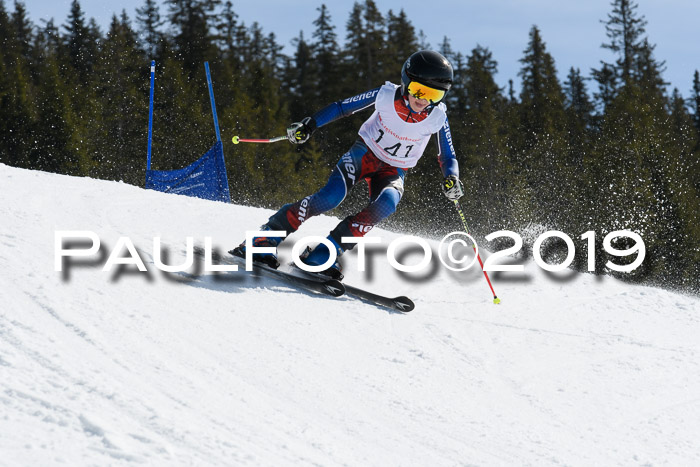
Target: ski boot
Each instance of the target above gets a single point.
(268, 259)
(319, 256)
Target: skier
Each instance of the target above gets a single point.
(390, 142)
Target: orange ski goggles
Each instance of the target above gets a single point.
(421, 91)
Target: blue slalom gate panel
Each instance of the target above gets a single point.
(205, 178)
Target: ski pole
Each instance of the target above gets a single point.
(237, 140)
(496, 300)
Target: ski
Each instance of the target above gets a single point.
(315, 283)
(328, 287)
(402, 303)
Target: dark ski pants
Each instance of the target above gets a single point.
(386, 185)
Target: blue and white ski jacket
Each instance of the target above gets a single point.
(339, 109)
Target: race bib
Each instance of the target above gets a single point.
(393, 140)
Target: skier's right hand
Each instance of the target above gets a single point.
(300, 132)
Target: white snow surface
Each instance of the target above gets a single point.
(122, 368)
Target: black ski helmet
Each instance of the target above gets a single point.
(429, 68)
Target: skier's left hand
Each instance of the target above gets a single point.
(300, 132)
(452, 188)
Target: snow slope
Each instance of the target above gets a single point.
(121, 368)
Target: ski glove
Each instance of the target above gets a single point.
(453, 188)
(300, 132)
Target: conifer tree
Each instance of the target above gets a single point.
(182, 125)
(264, 113)
(49, 39)
(626, 163)
(227, 27)
(149, 21)
(331, 75)
(326, 54)
(54, 128)
(511, 92)
(625, 29)
(254, 43)
(479, 100)
(648, 71)
(23, 29)
(364, 44)
(607, 85)
(542, 157)
(354, 37)
(576, 96)
(302, 80)
(242, 40)
(677, 250)
(482, 147)
(401, 42)
(16, 111)
(7, 155)
(695, 100)
(456, 98)
(80, 48)
(374, 56)
(634, 63)
(579, 114)
(635, 158)
(273, 52)
(355, 76)
(694, 169)
(192, 22)
(80, 42)
(541, 93)
(232, 44)
(15, 94)
(121, 91)
(6, 33)
(482, 92)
